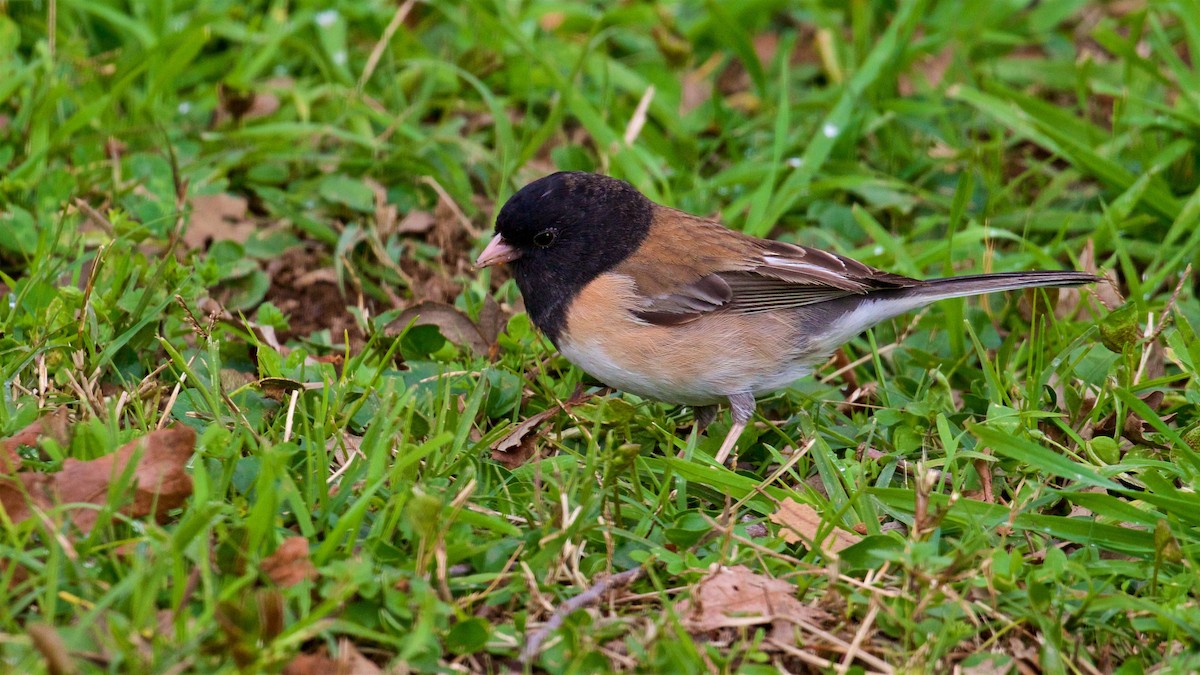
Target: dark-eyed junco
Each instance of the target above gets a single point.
(678, 308)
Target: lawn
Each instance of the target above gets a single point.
(262, 413)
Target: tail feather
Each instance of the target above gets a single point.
(853, 314)
(978, 284)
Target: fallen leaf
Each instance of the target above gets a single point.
(1061, 302)
(734, 82)
(263, 105)
(289, 564)
(552, 20)
(349, 661)
(52, 647)
(17, 492)
(386, 213)
(697, 85)
(215, 218)
(344, 448)
(310, 664)
(272, 619)
(801, 522)
(1154, 362)
(453, 324)
(416, 222)
(765, 45)
(114, 148)
(279, 388)
(1106, 291)
(736, 596)
(447, 231)
(159, 481)
(268, 336)
(53, 426)
(492, 319)
(517, 446)
(930, 67)
(324, 275)
(236, 105)
(674, 46)
(233, 379)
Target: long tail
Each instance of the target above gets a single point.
(978, 284)
(853, 314)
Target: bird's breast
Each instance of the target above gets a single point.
(696, 363)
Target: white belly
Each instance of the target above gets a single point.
(712, 384)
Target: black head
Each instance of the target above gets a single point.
(562, 231)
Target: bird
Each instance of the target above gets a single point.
(675, 307)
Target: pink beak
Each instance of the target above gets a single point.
(497, 251)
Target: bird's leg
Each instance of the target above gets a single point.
(742, 407)
(703, 415)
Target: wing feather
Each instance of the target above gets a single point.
(713, 269)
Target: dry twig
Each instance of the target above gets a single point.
(584, 599)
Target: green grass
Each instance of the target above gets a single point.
(920, 137)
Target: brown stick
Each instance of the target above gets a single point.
(588, 597)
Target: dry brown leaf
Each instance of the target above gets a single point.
(236, 105)
(272, 618)
(801, 522)
(52, 647)
(453, 324)
(492, 319)
(217, 218)
(386, 213)
(159, 480)
(53, 426)
(349, 661)
(344, 448)
(323, 275)
(673, 45)
(550, 21)
(310, 664)
(16, 493)
(697, 85)
(517, 446)
(263, 105)
(737, 596)
(765, 46)
(930, 67)
(695, 91)
(289, 564)
(233, 379)
(1063, 303)
(416, 222)
(1106, 291)
(446, 232)
(114, 148)
(279, 388)
(1154, 366)
(734, 81)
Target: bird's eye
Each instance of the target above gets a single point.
(545, 237)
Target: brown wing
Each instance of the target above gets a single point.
(689, 267)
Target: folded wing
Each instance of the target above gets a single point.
(732, 272)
